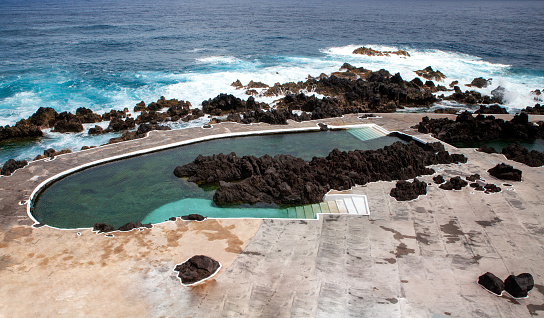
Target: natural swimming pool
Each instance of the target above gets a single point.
(144, 188)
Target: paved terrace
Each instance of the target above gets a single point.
(408, 259)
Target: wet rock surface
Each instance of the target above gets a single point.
(505, 172)
(193, 217)
(405, 190)
(196, 268)
(284, 179)
(492, 283)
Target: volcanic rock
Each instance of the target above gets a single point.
(44, 117)
(479, 82)
(11, 165)
(505, 172)
(487, 149)
(492, 109)
(87, 116)
(103, 228)
(430, 74)
(455, 183)
(371, 52)
(193, 217)
(22, 129)
(519, 286)
(473, 177)
(284, 179)
(96, 130)
(518, 153)
(537, 110)
(196, 268)
(492, 283)
(491, 188)
(439, 179)
(117, 124)
(405, 191)
(51, 153)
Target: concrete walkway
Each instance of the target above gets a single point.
(408, 259)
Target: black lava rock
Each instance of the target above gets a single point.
(439, 179)
(405, 191)
(196, 269)
(492, 283)
(505, 172)
(11, 165)
(455, 183)
(193, 217)
(103, 227)
(519, 286)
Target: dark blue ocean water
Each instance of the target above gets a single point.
(111, 54)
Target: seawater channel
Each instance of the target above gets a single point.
(144, 188)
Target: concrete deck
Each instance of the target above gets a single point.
(408, 259)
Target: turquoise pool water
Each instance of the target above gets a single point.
(144, 188)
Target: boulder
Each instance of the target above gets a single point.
(193, 217)
(103, 228)
(11, 165)
(127, 227)
(519, 286)
(405, 191)
(505, 172)
(439, 179)
(430, 74)
(22, 129)
(486, 149)
(473, 177)
(196, 268)
(44, 117)
(96, 130)
(479, 82)
(455, 183)
(492, 283)
(521, 154)
(491, 188)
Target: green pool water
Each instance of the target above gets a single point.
(144, 188)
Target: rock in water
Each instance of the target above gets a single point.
(505, 172)
(519, 286)
(196, 268)
(103, 227)
(193, 217)
(405, 191)
(492, 283)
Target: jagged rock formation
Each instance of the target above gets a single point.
(405, 190)
(11, 165)
(196, 268)
(371, 52)
(141, 132)
(467, 128)
(430, 74)
(536, 110)
(284, 179)
(487, 149)
(521, 154)
(51, 153)
(455, 183)
(104, 227)
(505, 172)
(439, 179)
(479, 82)
(493, 109)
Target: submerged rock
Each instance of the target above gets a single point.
(519, 286)
(196, 268)
(505, 172)
(492, 283)
(405, 191)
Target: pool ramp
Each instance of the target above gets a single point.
(366, 133)
(355, 204)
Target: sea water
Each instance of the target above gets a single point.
(112, 54)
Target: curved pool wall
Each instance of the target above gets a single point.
(71, 208)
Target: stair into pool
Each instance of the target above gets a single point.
(355, 204)
(366, 133)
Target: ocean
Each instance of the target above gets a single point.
(111, 54)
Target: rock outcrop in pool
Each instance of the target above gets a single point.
(287, 180)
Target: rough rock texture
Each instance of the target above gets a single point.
(487, 149)
(479, 82)
(196, 269)
(455, 183)
(471, 97)
(492, 283)
(430, 74)
(228, 103)
(519, 286)
(141, 132)
(505, 172)
(467, 128)
(51, 153)
(492, 109)
(537, 110)
(491, 188)
(518, 153)
(11, 165)
(473, 177)
(103, 228)
(193, 217)
(439, 179)
(405, 191)
(371, 52)
(22, 129)
(284, 179)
